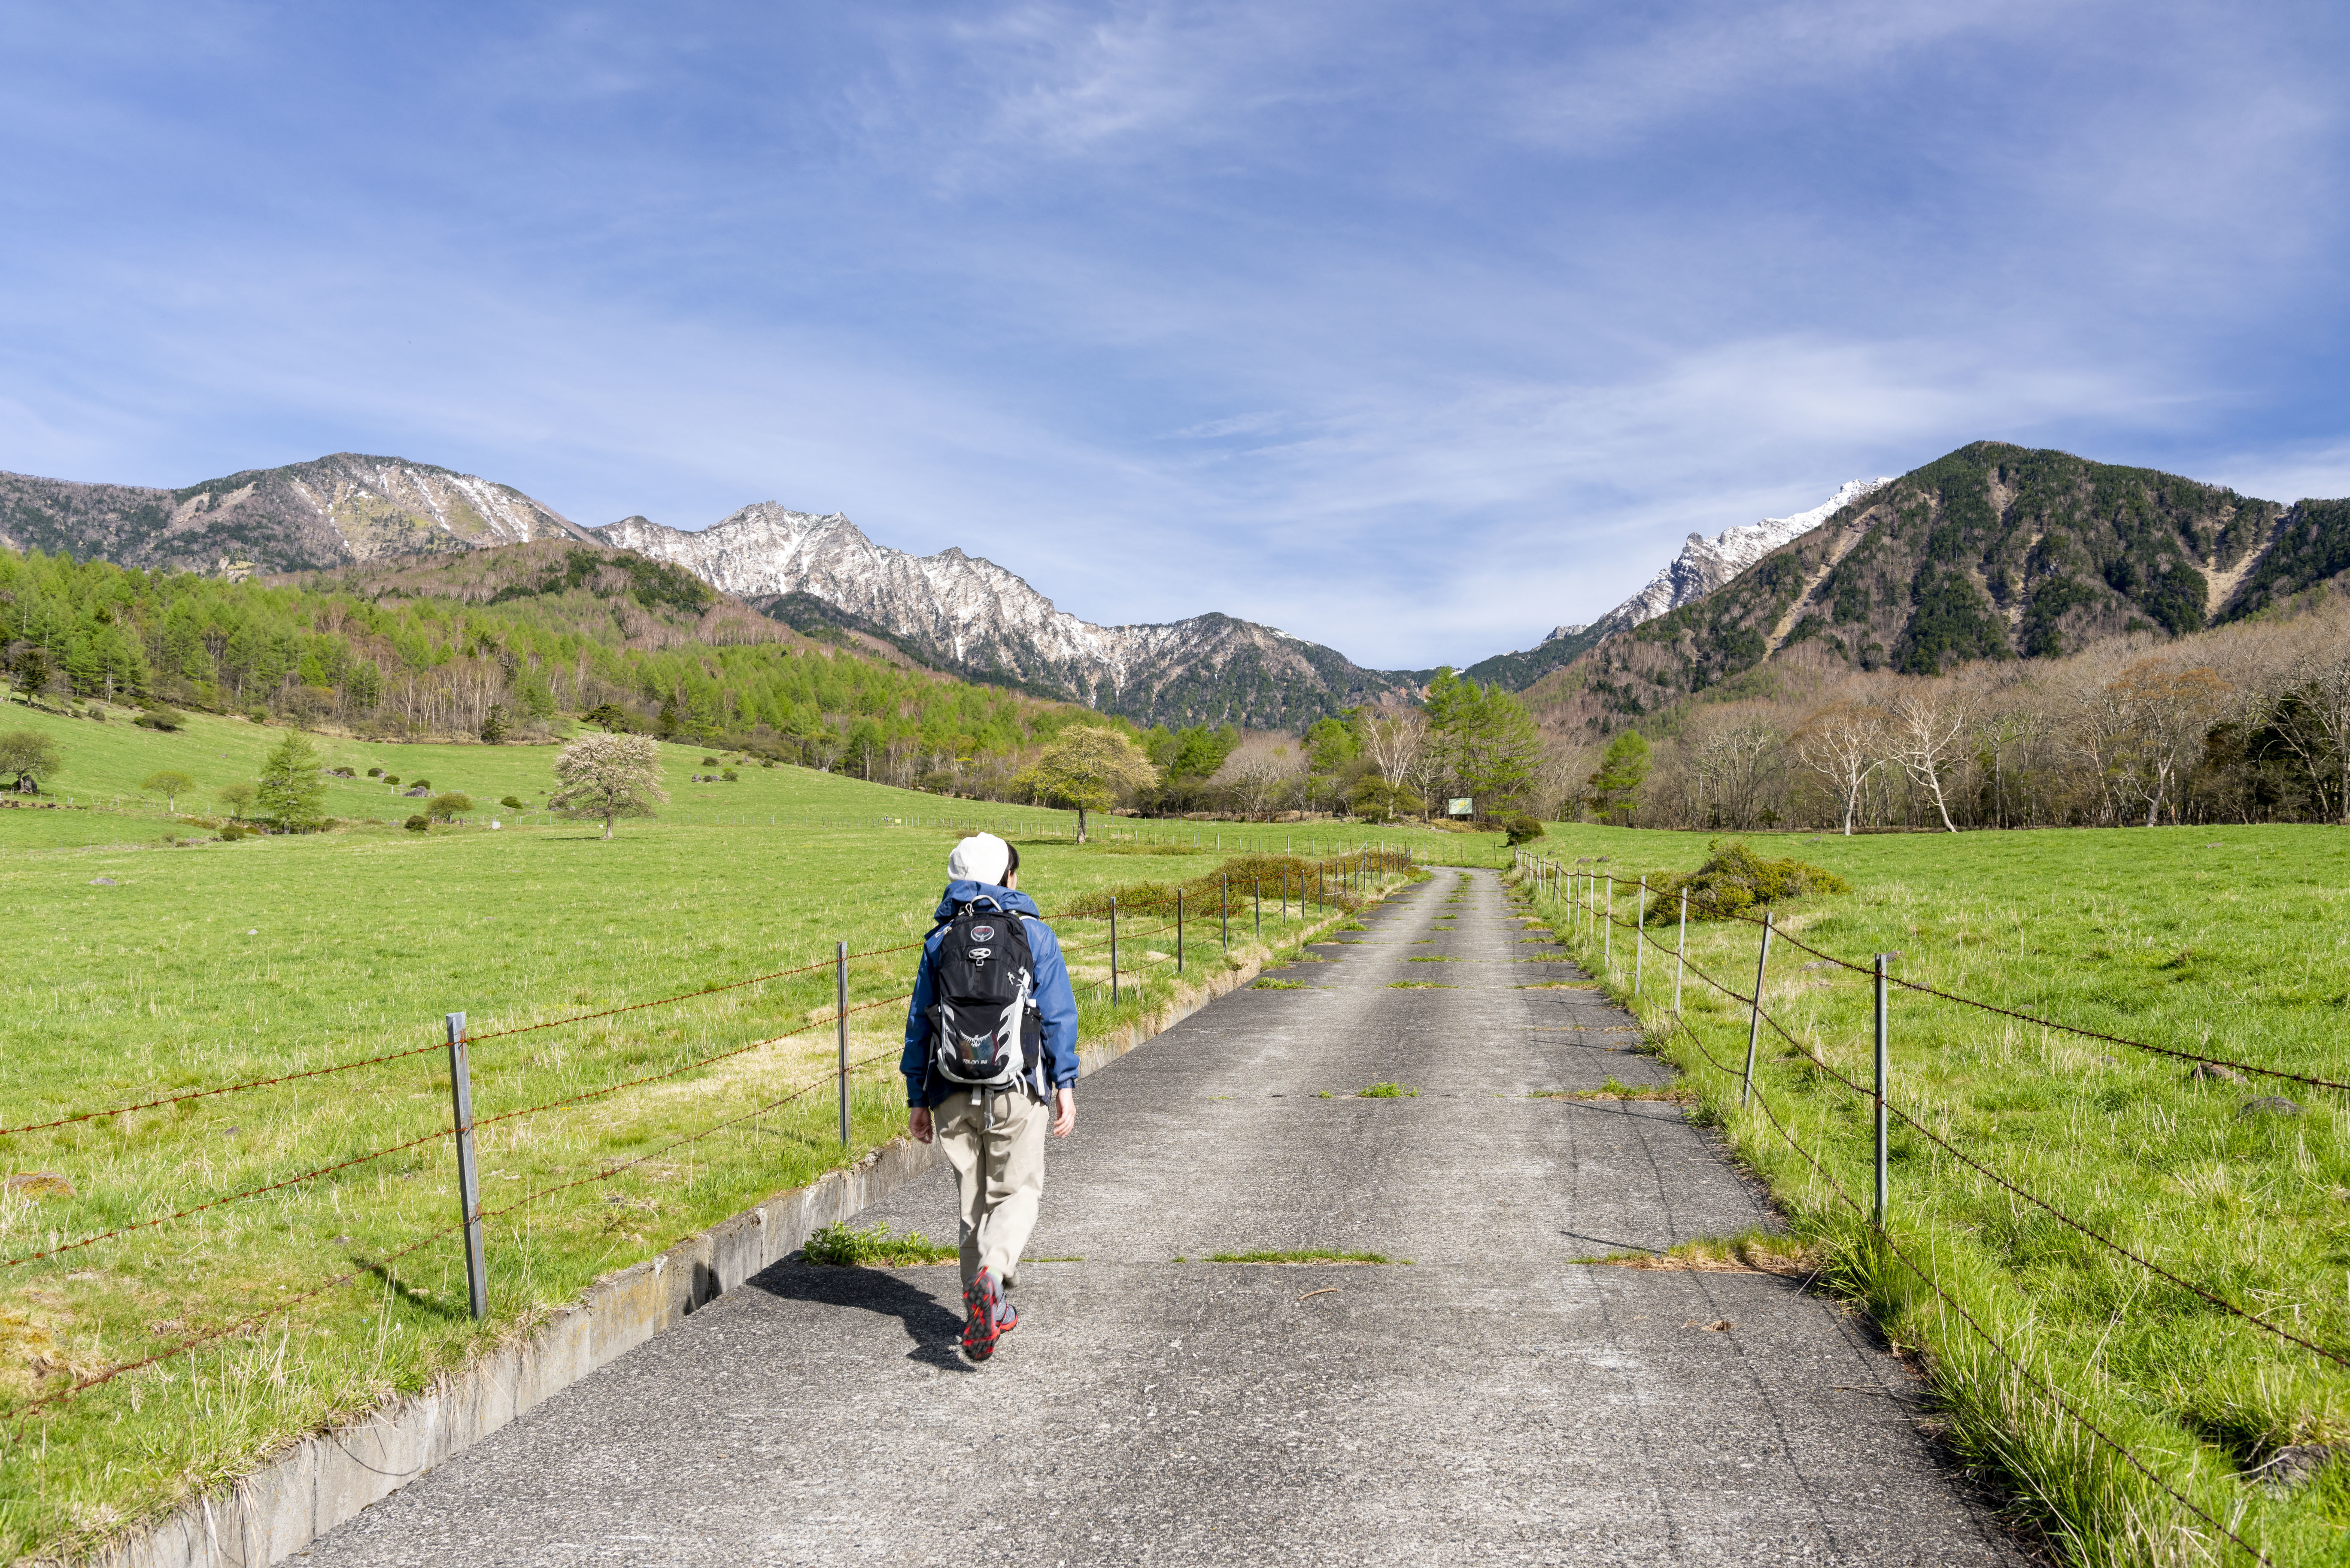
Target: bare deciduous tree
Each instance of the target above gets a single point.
(1924, 739)
(1843, 742)
(2163, 713)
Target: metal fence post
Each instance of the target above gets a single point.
(1113, 950)
(469, 1187)
(1178, 930)
(1884, 1070)
(1256, 904)
(1639, 924)
(1680, 958)
(1224, 912)
(1754, 1026)
(1607, 932)
(840, 1011)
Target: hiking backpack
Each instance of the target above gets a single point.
(984, 1033)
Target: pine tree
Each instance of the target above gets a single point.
(292, 794)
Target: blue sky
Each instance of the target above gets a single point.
(1413, 329)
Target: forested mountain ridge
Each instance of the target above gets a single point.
(1993, 552)
(574, 629)
(967, 616)
(330, 511)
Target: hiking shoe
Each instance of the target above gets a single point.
(983, 1306)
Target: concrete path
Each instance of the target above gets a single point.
(1492, 1402)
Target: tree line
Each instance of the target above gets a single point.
(2247, 723)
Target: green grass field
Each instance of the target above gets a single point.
(143, 971)
(2227, 941)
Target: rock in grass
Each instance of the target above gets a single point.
(101, 882)
(2268, 1106)
(40, 1184)
(2292, 1466)
(2213, 1073)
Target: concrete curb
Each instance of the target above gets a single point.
(327, 1477)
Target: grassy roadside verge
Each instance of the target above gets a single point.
(189, 969)
(2209, 941)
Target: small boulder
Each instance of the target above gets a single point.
(2292, 1466)
(2268, 1106)
(101, 882)
(40, 1184)
(2213, 1073)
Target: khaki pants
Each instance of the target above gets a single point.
(1000, 1172)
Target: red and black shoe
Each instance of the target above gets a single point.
(986, 1318)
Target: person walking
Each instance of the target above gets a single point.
(991, 1037)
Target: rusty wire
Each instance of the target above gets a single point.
(420, 1050)
(232, 1197)
(2055, 1394)
(1963, 1157)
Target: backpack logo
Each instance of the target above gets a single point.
(983, 933)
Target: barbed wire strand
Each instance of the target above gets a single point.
(606, 1174)
(232, 1197)
(1956, 1153)
(2051, 1023)
(223, 1089)
(2055, 1394)
(420, 1050)
(690, 995)
(582, 1098)
(109, 1373)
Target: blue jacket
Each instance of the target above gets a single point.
(1057, 1004)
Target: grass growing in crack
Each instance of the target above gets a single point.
(1671, 1093)
(839, 1246)
(1419, 985)
(1386, 1092)
(1430, 958)
(1305, 1255)
(1753, 1253)
(1269, 983)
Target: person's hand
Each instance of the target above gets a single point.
(1064, 1111)
(918, 1123)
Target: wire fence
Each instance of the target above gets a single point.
(473, 1215)
(1591, 898)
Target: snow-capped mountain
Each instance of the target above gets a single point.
(1705, 564)
(967, 615)
(331, 512)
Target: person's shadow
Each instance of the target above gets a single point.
(935, 1330)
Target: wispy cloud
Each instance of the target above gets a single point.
(1413, 329)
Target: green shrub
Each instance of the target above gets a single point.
(1734, 881)
(450, 805)
(418, 822)
(375, 774)
(730, 776)
(839, 1246)
(1522, 828)
(160, 719)
(511, 803)
(231, 833)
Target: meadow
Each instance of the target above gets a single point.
(146, 970)
(2221, 942)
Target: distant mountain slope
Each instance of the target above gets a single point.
(329, 513)
(612, 596)
(971, 616)
(1702, 566)
(1993, 552)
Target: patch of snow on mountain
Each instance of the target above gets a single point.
(1705, 564)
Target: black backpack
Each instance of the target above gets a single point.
(984, 1031)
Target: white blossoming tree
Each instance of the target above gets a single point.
(609, 776)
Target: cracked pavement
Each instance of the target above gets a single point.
(1492, 1400)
